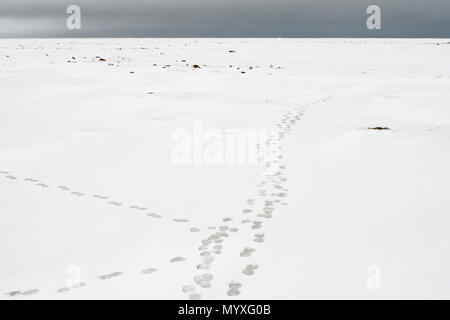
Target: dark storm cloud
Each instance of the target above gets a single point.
(226, 18)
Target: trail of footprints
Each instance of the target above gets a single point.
(103, 277)
(272, 194)
(107, 276)
(106, 199)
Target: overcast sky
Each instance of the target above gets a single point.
(224, 18)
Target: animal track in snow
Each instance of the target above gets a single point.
(138, 208)
(271, 190)
(257, 225)
(110, 275)
(81, 194)
(154, 215)
(22, 293)
(100, 197)
(247, 252)
(204, 280)
(75, 286)
(177, 259)
(250, 269)
(149, 270)
(195, 296)
(115, 203)
(188, 289)
(234, 289)
(259, 237)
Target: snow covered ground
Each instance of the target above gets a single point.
(95, 204)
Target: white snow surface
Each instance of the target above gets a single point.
(361, 214)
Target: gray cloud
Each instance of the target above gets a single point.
(226, 18)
